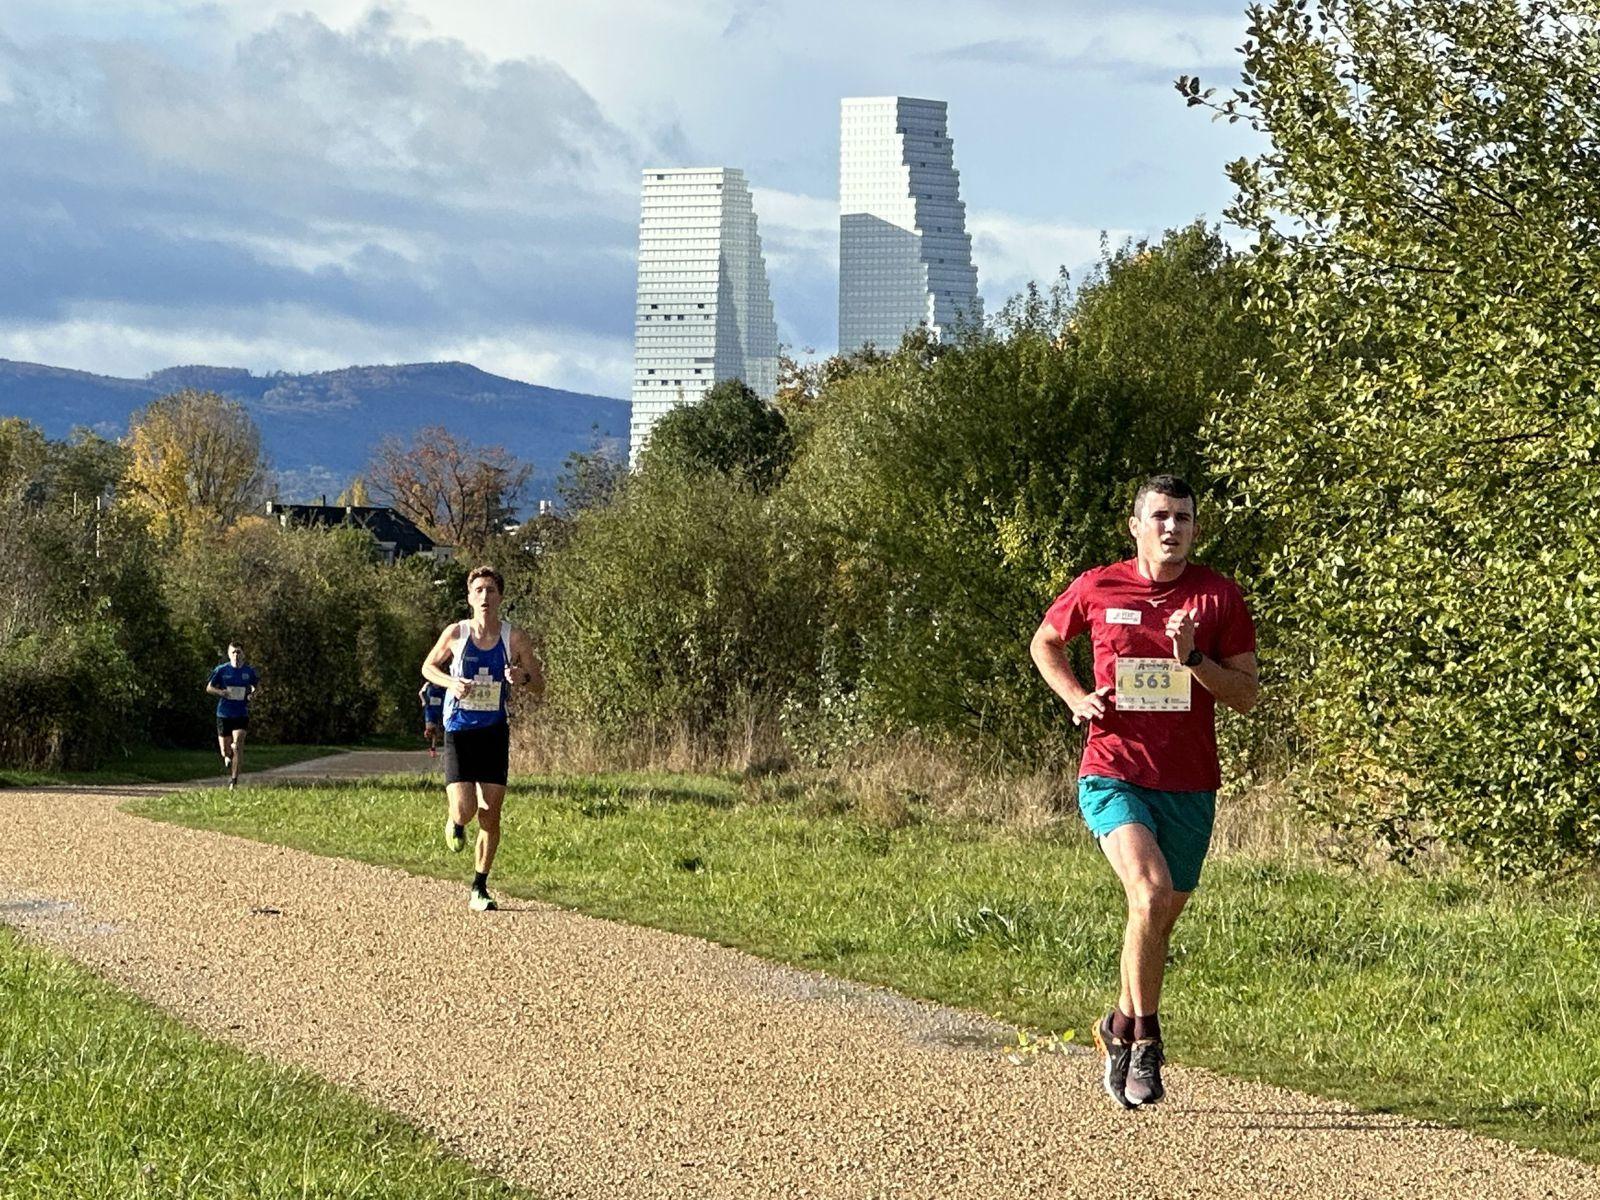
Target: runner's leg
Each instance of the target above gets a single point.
(492, 796)
(461, 801)
(238, 750)
(1153, 909)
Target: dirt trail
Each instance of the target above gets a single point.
(585, 1058)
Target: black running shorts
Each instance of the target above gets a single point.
(477, 755)
(226, 725)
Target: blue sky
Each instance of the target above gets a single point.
(303, 186)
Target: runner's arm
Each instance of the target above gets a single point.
(523, 659)
(1232, 681)
(433, 665)
(1049, 650)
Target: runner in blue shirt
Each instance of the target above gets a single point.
(233, 683)
(432, 697)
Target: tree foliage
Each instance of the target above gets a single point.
(194, 461)
(730, 431)
(459, 493)
(1429, 224)
(683, 607)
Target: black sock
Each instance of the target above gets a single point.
(480, 881)
(1147, 1028)
(1121, 1026)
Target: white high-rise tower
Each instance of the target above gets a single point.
(704, 313)
(904, 255)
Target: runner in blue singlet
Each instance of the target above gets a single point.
(477, 662)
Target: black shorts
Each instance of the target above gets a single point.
(478, 755)
(226, 725)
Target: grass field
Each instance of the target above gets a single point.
(103, 1096)
(1447, 998)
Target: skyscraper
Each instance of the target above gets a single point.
(904, 254)
(704, 313)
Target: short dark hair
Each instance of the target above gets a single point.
(1165, 485)
(487, 572)
(239, 646)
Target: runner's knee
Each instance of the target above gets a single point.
(1150, 899)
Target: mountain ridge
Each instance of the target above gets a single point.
(318, 429)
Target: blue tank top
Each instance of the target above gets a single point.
(487, 704)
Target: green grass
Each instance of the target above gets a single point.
(104, 1096)
(1446, 998)
(148, 764)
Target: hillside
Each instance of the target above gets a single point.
(319, 429)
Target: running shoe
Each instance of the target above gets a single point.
(233, 782)
(1116, 1052)
(481, 901)
(227, 764)
(1144, 1073)
(455, 836)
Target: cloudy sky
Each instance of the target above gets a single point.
(308, 185)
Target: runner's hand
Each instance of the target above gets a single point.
(461, 688)
(1181, 629)
(511, 676)
(1093, 705)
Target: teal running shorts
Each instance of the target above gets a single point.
(1181, 821)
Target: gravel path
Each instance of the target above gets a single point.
(589, 1059)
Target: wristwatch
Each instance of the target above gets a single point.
(1192, 659)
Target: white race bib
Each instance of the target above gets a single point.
(1152, 685)
(484, 696)
(238, 693)
(1122, 616)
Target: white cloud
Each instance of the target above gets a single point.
(123, 342)
(1011, 252)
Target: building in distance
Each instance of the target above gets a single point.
(397, 536)
(704, 310)
(905, 258)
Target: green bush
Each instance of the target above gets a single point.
(1429, 216)
(69, 694)
(685, 607)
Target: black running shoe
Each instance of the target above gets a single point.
(1115, 1051)
(1144, 1073)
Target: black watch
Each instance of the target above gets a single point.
(1192, 659)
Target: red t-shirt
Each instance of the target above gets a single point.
(1126, 616)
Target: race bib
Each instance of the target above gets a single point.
(1152, 685)
(238, 693)
(484, 696)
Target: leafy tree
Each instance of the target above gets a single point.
(356, 494)
(590, 478)
(730, 431)
(1429, 222)
(194, 461)
(84, 638)
(459, 493)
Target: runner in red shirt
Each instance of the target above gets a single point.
(1170, 639)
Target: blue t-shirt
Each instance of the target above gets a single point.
(229, 676)
(433, 705)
